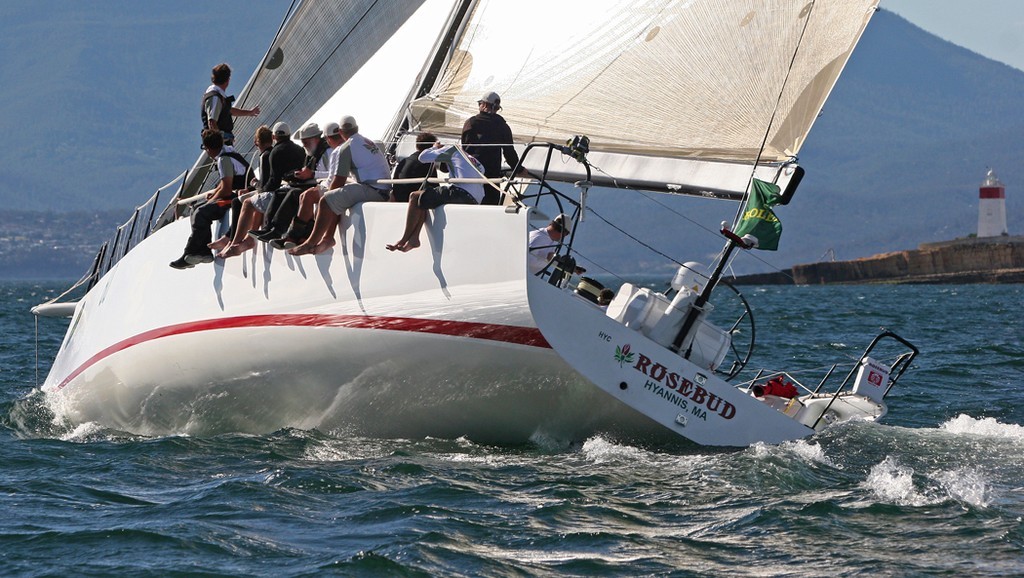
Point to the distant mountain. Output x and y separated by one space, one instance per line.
101 115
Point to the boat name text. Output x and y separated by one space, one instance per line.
660 375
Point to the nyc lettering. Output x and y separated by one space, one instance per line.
604 337
676 389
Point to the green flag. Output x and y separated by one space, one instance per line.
758 219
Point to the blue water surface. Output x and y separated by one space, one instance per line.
935 489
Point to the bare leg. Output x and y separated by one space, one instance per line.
414 218
248 218
307 203
323 231
220 243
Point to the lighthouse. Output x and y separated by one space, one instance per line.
991 207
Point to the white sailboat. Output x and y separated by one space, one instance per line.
457 338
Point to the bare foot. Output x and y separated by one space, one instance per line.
323 246
396 247
220 243
303 249
234 250
409 245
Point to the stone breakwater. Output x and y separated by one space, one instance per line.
988 260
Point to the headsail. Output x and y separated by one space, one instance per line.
671 79
321 46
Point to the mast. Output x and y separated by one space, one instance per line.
435 63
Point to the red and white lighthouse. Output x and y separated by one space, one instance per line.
991 207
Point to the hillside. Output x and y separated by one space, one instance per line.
894 160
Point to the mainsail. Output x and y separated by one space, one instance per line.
662 79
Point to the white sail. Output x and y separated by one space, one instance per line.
320 47
695 79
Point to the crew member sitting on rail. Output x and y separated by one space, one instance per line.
330 178
245 216
364 159
285 158
232 167
411 167
286 201
461 166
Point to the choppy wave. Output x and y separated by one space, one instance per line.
986 427
934 489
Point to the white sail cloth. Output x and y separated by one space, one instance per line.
696 79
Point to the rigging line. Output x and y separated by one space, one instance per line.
670 209
37 350
773 266
619 229
328 57
775 111
598 265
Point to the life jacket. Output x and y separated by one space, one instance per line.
225 123
238 182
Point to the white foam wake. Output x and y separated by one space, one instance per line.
894 483
988 427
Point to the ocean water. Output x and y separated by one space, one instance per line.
936 489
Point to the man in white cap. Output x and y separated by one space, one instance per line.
487 137
362 158
328 179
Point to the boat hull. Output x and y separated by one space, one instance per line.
439 341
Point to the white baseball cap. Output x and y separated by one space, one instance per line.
282 129
490 98
349 123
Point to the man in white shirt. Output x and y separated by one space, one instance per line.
461 166
328 179
362 158
543 244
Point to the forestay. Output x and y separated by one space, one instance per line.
668 79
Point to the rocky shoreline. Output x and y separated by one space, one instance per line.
986 260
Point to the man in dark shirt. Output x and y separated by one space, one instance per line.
487 137
412 168
286 158
286 199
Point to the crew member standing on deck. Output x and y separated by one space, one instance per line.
217 105
486 137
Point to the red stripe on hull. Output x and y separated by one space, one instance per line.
505 333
